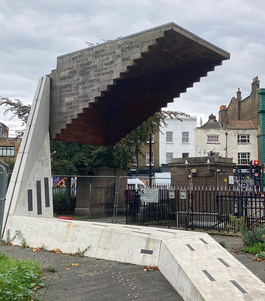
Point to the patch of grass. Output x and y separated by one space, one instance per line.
50 269
222 243
19 279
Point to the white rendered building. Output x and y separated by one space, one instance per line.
177 140
237 140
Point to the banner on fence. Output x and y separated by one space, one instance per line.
150 196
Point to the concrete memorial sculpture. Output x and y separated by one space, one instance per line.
100 94
97 96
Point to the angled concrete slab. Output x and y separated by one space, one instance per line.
194 263
29 191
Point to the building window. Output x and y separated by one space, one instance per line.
212 138
242 138
147 159
185 155
169 136
169 157
243 158
152 138
7 151
185 137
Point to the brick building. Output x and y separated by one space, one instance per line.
9 147
4 130
250 108
201 171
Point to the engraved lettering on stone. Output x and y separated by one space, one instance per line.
81 76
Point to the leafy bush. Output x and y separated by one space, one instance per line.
256 235
254 248
238 224
260 255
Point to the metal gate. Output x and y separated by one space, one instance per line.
3 188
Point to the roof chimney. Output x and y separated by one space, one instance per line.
212 118
255 79
238 94
255 85
223 107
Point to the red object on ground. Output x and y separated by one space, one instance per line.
65 217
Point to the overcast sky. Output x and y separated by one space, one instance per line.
33 33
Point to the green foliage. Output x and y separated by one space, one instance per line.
2 255
239 224
19 279
256 235
254 248
10 162
60 202
260 255
50 269
9 240
222 243
68 157
80 253
21 238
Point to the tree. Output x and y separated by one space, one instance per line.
67 158
17 109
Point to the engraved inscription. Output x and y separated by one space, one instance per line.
82 76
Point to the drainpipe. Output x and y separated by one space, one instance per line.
262 126
226 144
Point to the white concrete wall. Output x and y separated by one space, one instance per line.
177 147
33 165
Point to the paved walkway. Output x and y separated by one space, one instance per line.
84 278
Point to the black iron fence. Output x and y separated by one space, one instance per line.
204 208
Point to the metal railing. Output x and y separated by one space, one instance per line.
202 208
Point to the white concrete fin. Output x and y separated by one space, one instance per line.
30 189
